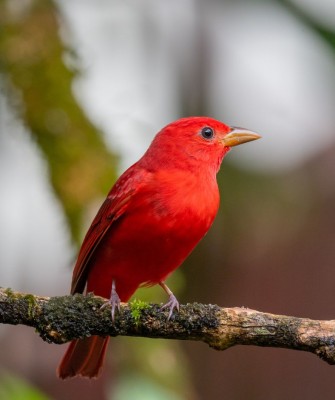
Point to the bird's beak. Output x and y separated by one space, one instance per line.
238 136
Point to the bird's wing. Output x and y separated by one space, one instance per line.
112 209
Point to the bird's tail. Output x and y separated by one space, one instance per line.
83 357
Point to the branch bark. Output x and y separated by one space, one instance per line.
61 319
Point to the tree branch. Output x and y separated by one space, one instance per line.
61 319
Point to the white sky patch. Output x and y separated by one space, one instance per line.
271 74
267 72
35 254
130 59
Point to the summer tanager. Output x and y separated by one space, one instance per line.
152 218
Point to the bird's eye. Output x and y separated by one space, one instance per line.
207 133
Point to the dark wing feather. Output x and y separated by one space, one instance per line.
112 209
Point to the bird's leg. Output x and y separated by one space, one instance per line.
114 301
172 303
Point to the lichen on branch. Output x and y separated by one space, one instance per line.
64 318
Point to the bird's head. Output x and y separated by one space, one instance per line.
196 141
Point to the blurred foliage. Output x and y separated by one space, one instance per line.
157 366
139 388
32 63
312 23
13 388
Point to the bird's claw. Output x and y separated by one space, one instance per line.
114 302
172 304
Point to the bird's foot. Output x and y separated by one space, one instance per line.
114 302
173 303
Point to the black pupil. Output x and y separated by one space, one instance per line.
207 133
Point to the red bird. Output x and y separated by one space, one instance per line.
151 220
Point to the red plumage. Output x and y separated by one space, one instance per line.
152 218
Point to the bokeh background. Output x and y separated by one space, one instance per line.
84 86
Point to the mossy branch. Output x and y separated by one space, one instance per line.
61 319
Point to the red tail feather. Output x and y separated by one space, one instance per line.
83 357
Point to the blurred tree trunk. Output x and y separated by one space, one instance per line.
39 84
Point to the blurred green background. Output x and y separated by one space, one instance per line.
84 86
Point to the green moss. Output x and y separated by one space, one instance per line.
9 292
30 299
136 308
262 331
